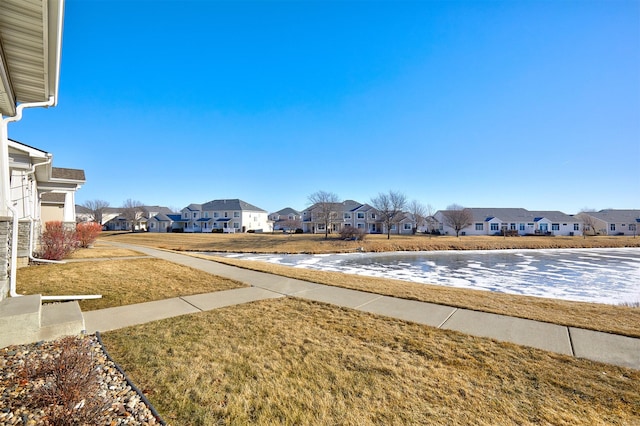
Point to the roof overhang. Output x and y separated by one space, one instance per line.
30 52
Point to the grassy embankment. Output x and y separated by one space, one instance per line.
310 243
290 361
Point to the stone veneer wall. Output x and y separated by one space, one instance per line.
5 255
23 243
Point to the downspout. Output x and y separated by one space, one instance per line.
14 237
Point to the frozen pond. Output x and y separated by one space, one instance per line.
588 275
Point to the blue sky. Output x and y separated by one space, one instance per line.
482 103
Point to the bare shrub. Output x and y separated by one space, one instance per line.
58 241
87 233
70 392
353 233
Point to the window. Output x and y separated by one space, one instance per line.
195 215
407 226
347 215
360 225
185 215
612 227
373 216
215 214
360 215
494 226
226 214
236 225
632 227
576 226
522 226
206 214
479 226
321 227
236 214
555 226
512 226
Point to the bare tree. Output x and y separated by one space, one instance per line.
389 206
96 209
419 213
325 209
431 221
291 224
457 217
132 211
589 223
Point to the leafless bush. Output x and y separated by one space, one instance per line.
70 392
353 233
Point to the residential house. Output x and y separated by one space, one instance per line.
352 213
40 193
162 222
611 222
227 215
285 219
314 221
518 221
114 219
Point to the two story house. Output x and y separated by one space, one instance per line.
227 215
286 219
352 213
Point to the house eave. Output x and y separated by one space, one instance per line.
30 52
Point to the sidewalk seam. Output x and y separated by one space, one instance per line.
366 303
190 304
448 317
573 352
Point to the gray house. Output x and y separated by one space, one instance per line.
285 219
518 221
611 222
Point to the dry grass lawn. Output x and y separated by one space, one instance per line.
121 282
310 243
101 250
289 361
595 316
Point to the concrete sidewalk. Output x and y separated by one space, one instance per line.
597 346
